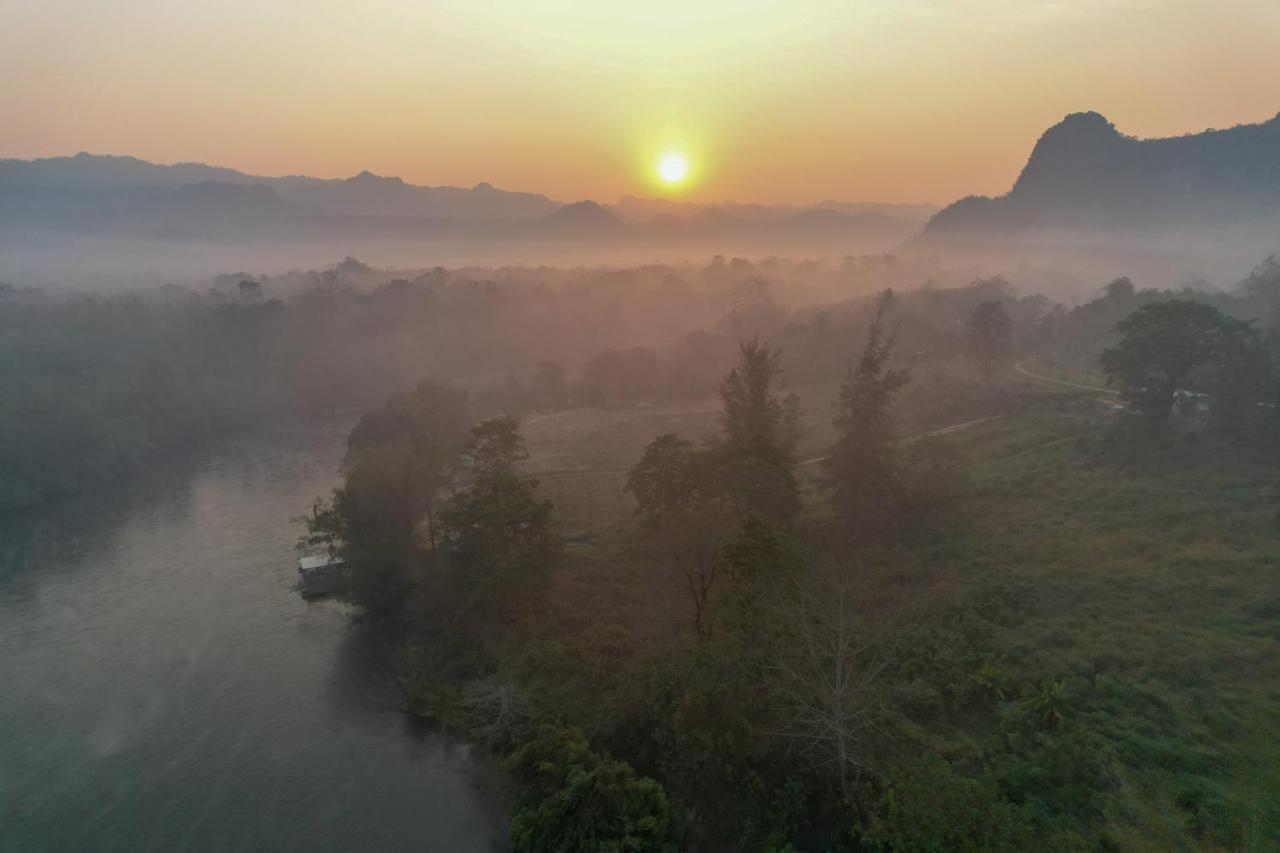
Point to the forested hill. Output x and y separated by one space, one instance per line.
1084 174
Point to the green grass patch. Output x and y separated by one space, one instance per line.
1153 595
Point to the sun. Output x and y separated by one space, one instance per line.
673 168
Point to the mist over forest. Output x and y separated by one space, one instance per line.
360 514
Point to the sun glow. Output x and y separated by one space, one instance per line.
673 168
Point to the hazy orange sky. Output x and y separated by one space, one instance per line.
896 100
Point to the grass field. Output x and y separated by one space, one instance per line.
1153 595
1079 369
581 456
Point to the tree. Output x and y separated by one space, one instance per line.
432 413
755 564
1244 388
824 681
690 539
398 464
249 290
760 551
760 430
495 447
670 475
754 311
1120 291
755 420
500 545
431 422
759 486
1263 286
862 466
989 338
1162 346
685 498
371 520
1253 387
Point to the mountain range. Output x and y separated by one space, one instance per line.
1203 203
124 196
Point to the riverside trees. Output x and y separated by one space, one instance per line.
435 514
499 545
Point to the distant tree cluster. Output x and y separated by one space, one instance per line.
989 338
1182 351
92 389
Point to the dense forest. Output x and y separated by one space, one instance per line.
93 387
902 586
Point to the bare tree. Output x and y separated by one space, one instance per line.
825 680
690 540
495 711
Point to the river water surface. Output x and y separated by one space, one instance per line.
162 688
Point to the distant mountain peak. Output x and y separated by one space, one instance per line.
367 177
1084 125
586 207
583 214
1084 174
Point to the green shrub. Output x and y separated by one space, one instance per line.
926 806
583 800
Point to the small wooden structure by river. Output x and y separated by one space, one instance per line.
318 574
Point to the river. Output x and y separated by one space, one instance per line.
162 688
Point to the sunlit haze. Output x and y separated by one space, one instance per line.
771 100
685 425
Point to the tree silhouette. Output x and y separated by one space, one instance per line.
1162 345
862 466
989 338
760 432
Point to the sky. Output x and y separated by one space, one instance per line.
767 100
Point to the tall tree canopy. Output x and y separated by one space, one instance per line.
756 420
760 431
500 542
862 466
1162 347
